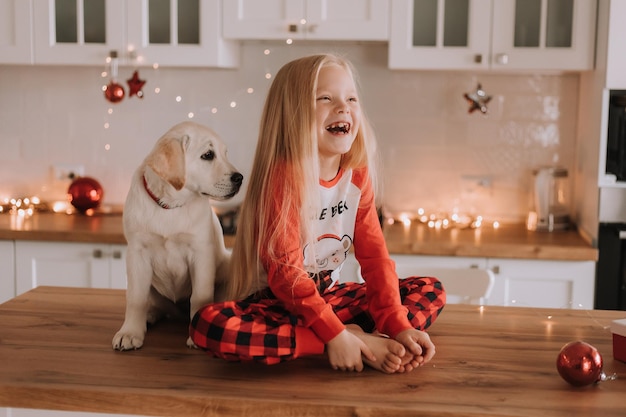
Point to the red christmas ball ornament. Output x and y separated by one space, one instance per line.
580 364
114 92
85 193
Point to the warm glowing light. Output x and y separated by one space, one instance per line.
214 110
303 21
289 41
157 90
420 211
155 65
190 115
496 224
106 125
233 104
104 74
179 99
250 90
107 147
268 75
267 52
60 206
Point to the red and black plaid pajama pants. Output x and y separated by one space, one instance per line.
261 329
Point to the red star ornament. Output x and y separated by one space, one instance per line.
477 100
135 85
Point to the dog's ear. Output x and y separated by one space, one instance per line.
167 159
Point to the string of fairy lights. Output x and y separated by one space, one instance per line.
109 74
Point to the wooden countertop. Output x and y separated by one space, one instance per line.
55 353
509 241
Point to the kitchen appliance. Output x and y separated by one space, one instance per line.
610 292
549 208
616 136
611 266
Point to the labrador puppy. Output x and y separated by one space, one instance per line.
176 252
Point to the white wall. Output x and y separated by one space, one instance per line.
435 153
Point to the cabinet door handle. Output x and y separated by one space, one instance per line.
478 58
495 269
502 59
97 253
293 28
474 266
117 254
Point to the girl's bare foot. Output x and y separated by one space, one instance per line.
390 355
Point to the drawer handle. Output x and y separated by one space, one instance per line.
97 253
502 59
496 269
117 254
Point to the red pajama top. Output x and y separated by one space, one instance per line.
347 219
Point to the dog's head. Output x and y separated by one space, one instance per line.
192 156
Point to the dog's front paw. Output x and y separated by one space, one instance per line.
191 344
127 341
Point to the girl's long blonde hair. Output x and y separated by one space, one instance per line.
287 140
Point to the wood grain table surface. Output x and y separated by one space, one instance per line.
55 353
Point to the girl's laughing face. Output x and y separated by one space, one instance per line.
337 110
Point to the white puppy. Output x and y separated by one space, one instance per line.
176 251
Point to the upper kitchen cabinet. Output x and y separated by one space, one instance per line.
353 20
492 34
178 33
615 46
15 32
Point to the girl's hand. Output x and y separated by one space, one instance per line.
345 350
419 344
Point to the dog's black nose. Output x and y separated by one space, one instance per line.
236 178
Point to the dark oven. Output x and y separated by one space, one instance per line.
611 267
616 136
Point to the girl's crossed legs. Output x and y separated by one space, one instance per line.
260 329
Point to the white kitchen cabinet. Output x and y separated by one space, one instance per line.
616 48
69 264
492 34
7 271
518 282
165 32
362 20
543 283
16 31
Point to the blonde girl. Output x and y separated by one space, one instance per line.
309 202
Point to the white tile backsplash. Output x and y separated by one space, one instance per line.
435 154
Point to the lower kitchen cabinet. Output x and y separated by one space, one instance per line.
543 283
69 264
518 282
7 271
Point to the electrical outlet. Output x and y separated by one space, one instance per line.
62 172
